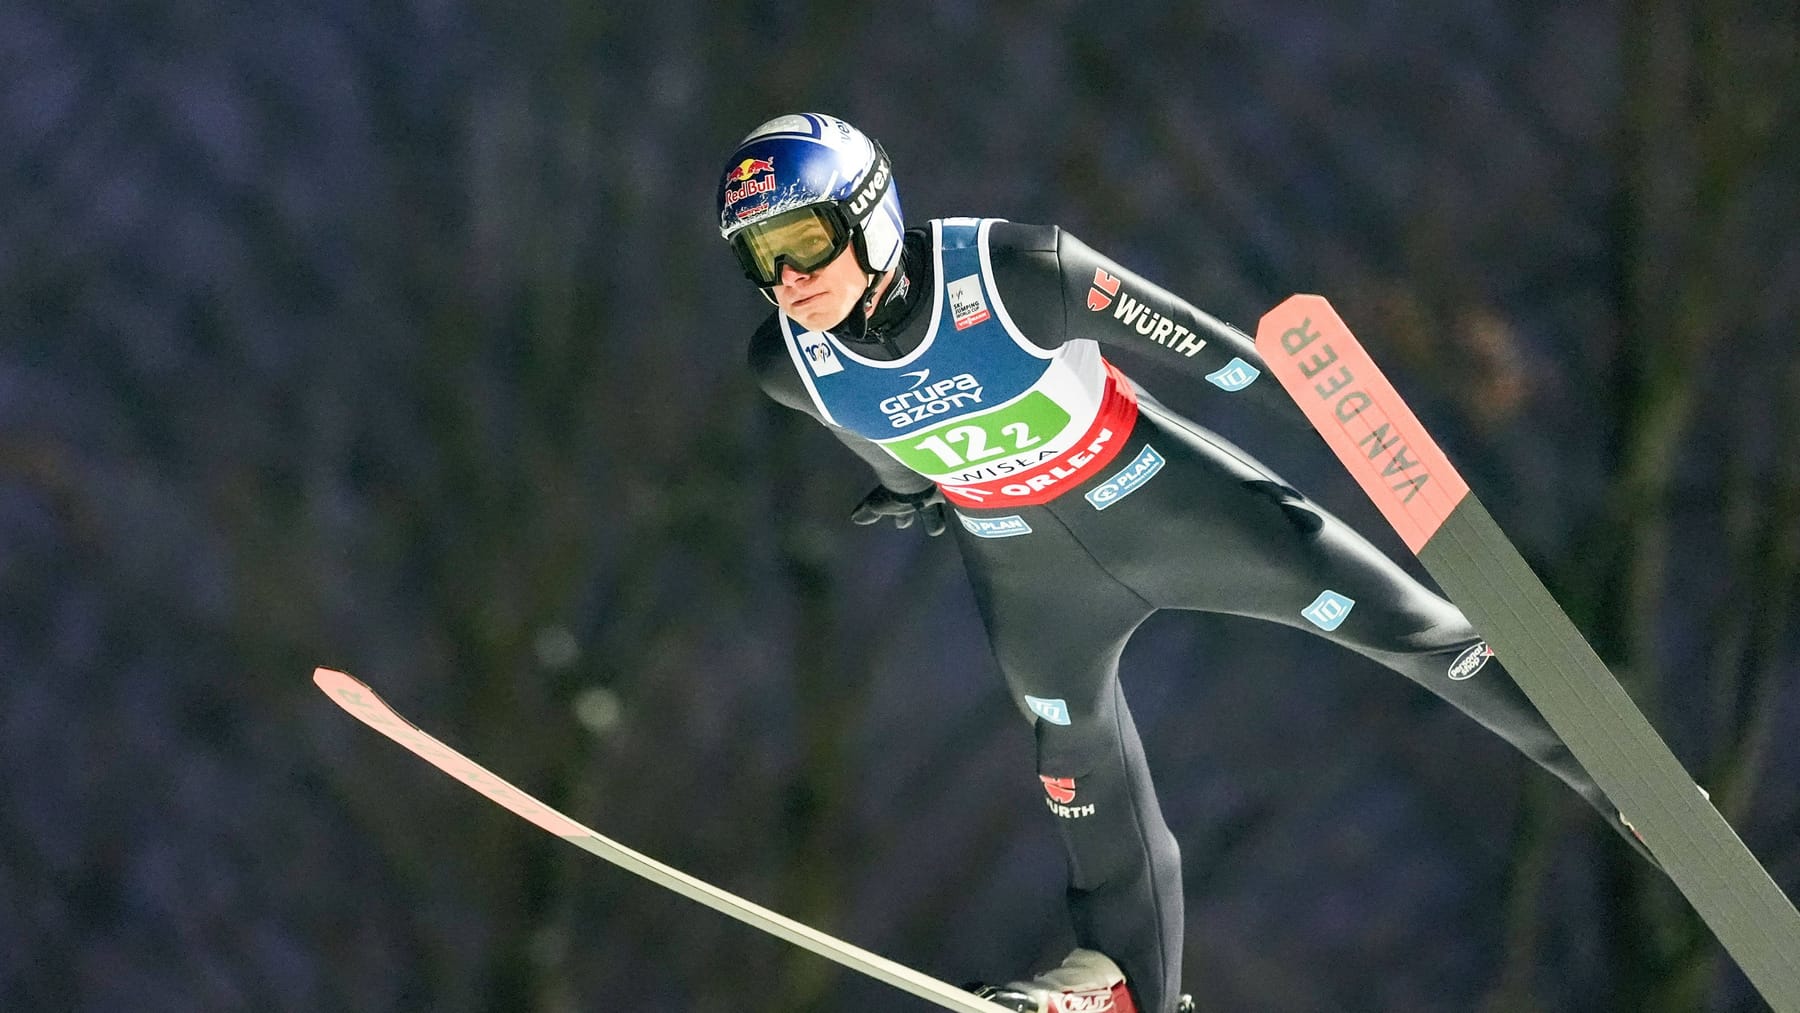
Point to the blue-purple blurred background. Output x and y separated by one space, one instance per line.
397 337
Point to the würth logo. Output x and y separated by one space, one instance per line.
1105 287
1062 792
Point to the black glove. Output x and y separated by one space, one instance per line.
927 504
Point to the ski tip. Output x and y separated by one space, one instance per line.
1288 313
334 682
323 676
1352 405
1298 300
1301 299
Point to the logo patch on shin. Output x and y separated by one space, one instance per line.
1470 661
1234 375
995 527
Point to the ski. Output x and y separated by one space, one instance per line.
362 702
1401 468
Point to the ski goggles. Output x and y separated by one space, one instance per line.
805 239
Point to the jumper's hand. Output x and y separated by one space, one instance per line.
926 504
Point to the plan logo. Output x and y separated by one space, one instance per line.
1470 661
997 527
1127 481
1054 711
1234 375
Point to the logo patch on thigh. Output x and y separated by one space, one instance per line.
1126 481
1054 711
1234 375
1329 610
995 527
1470 661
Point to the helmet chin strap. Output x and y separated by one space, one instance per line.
855 327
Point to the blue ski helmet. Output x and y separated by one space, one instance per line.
802 187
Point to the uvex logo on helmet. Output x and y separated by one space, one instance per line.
872 190
745 173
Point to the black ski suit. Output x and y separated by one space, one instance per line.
1179 519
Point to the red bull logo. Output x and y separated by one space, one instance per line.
745 174
748 168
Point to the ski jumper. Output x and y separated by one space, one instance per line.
1082 506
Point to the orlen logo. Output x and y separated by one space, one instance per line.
927 399
1470 661
745 173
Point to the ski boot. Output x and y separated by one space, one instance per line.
1087 982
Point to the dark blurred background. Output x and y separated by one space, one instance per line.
398 337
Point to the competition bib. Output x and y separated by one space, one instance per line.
994 420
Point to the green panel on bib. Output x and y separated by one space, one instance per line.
1031 421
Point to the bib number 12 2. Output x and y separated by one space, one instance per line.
975 443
